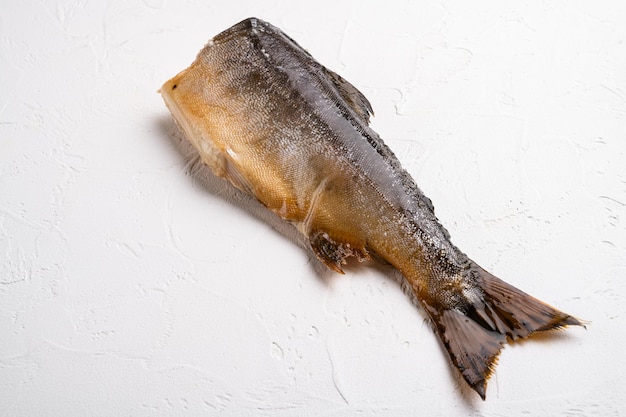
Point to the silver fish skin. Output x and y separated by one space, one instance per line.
265 115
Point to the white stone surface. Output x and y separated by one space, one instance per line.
130 286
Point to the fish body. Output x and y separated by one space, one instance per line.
265 115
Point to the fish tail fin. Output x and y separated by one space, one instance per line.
474 334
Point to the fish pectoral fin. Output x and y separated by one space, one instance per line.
233 173
333 253
359 103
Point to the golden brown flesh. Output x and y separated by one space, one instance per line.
265 115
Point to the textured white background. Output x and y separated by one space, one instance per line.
133 285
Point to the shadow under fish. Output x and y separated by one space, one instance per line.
265 115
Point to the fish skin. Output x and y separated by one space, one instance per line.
265 115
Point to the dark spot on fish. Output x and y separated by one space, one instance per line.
255 78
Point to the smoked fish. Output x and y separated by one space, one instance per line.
265 115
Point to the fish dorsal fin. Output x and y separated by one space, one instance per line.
353 97
357 101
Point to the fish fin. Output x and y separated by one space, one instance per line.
513 312
357 101
232 172
474 332
332 253
473 349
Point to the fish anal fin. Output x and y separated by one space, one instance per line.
472 348
333 253
357 101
